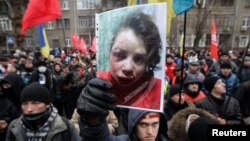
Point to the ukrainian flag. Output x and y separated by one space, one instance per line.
134 2
175 7
43 42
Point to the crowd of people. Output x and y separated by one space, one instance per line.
61 97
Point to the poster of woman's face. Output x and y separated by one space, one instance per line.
131 45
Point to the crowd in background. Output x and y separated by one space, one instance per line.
66 72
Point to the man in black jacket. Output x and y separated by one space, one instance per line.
225 108
243 96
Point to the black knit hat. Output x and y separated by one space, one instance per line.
174 90
209 82
226 65
35 92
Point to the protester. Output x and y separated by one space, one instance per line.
175 101
243 96
179 125
225 108
228 78
193 89
40 120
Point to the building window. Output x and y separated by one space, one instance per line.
55 43
65 24
247 3
189 40
202 41
50 25
244 39
246 21
65 5
5 24
28 42
227 3
85 4
68 42
3 7
86 21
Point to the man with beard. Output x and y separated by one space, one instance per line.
192 89
40 120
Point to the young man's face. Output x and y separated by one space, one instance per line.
226 71
219 87
175 98
147 128
127 58
33 107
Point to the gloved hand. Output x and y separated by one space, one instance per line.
95 99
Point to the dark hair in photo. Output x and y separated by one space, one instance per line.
145 28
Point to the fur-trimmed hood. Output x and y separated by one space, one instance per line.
177 125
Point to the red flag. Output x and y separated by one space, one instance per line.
40 11
82 46
214 43
93 45
75 39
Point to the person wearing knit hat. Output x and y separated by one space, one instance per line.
35 92
225 108
173 104
40 119
230 79
209 83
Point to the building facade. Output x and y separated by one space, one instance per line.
232 18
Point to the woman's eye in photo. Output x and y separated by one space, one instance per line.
139 59
119 54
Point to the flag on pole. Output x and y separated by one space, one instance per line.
43 41
82 46
175 7
214 43
40 11
93 45
181 38
134 2
75 39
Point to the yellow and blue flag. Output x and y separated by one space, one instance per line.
134 2
43 42
175 7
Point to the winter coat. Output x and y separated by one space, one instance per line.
17 86
229 110
243 96
16 131
177 125
232 82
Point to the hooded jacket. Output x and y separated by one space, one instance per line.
177 124
101 133
17 86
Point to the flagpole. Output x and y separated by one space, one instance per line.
182 57
63 27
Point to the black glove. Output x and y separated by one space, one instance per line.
95 99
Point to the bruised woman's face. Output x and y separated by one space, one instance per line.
127 58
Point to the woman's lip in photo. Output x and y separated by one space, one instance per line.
125 81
